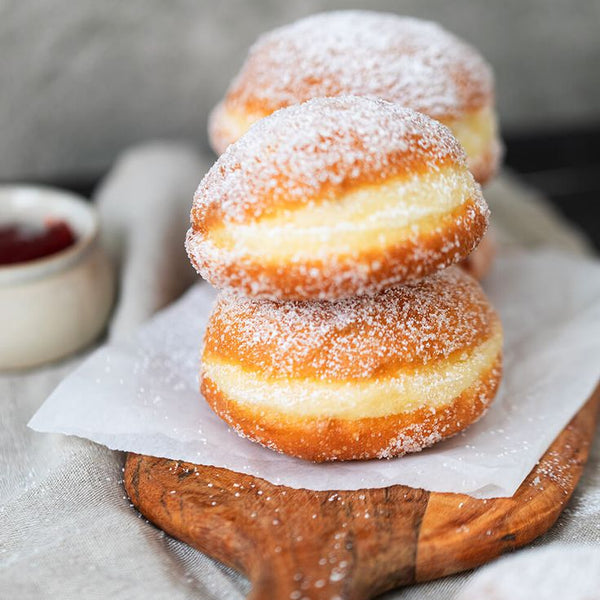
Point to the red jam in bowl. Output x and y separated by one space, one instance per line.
21 243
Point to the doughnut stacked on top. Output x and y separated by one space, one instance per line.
340 334
333 198
411 62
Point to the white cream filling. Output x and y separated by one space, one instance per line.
369 218
477 132
407 390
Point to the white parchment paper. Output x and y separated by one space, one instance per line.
142 395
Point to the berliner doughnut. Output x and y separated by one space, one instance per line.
332 198
359 378
414 63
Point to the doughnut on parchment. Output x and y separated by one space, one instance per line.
360 378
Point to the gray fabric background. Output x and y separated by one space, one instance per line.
66 528
83 80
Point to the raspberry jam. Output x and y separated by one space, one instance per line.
22 243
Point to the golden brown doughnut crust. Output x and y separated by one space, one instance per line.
412 62
356 338
313 154
340 439
405 262
428 325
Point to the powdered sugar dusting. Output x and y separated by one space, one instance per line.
324 435
358 337
331 276
301 153
412 62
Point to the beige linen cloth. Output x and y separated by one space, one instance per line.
67 530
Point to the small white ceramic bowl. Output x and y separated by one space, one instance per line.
55 305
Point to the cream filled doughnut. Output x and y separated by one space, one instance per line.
335 197
359 378
414 63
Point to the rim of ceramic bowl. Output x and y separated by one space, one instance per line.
24 202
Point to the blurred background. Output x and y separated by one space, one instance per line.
83 80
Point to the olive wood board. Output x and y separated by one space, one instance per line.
352 545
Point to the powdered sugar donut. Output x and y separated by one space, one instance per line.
414 63
332 198
364 377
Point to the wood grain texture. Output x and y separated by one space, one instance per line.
352 545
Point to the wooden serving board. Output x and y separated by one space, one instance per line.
352 545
